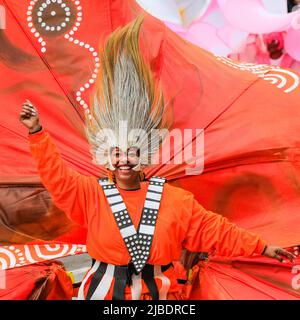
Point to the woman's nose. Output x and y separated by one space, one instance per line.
123 158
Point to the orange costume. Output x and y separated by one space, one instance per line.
181 223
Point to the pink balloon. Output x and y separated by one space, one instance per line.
252 16
292 43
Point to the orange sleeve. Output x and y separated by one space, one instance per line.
211 232
70 191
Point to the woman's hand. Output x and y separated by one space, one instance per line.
278 253
29 117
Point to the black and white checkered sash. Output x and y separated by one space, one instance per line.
138 242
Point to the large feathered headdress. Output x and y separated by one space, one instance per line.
127 106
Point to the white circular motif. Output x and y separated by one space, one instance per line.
283 79
7 258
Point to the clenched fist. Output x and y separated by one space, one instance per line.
29 117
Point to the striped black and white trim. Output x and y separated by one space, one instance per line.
139 242
148 220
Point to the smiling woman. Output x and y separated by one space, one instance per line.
136 228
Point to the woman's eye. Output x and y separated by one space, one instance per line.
132 154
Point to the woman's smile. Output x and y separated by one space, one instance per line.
124 169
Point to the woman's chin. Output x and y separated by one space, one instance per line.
126 174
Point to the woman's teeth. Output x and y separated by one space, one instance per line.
125 168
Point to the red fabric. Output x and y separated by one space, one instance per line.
18 283
44 281
59 285
257 278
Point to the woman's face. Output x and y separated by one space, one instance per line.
124 162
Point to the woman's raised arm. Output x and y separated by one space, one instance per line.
70 191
